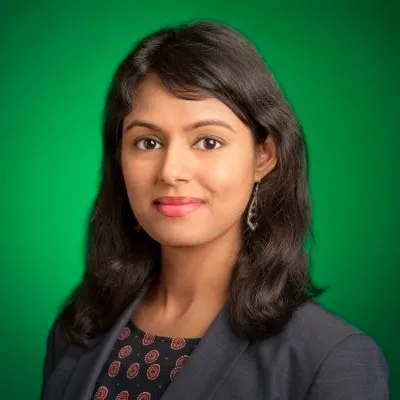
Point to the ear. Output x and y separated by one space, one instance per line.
266 158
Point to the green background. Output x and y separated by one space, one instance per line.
338 63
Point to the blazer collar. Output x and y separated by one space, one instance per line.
211 361
217 352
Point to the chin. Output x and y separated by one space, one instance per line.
179 237
180 241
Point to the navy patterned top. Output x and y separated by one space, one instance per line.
141 366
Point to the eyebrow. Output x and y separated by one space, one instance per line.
186 128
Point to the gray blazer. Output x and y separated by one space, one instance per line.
316 356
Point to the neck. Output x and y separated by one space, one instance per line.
198 277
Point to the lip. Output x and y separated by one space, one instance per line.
176 200
177 207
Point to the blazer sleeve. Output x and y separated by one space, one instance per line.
355 369
56 345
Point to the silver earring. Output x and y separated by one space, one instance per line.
252 212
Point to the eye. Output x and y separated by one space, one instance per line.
208 143
147 144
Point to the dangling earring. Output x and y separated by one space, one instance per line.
252 212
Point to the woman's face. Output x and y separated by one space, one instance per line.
189 166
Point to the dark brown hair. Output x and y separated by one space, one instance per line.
271 276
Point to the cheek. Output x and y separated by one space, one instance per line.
136 183
231 173
236 166
231 181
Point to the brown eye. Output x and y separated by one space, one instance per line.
208 143
148 144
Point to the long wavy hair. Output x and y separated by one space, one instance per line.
271 275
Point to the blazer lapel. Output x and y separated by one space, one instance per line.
88 367
211 361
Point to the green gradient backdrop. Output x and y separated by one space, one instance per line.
337 62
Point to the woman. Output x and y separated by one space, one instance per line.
197 283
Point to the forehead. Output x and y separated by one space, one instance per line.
153 101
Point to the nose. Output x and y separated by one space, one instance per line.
176 164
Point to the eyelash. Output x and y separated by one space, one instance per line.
219 141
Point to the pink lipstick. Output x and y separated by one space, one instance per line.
175 207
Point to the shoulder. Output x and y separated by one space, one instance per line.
56 345
58 336
331 357
312 325
326 335
312 332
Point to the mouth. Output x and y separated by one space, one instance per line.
177 207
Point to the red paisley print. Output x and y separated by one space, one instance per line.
178 343
101 393
174 372
133 371
180 362
151 356
113 369
124 334
124 395
148 339
153 372
144 396
125 352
